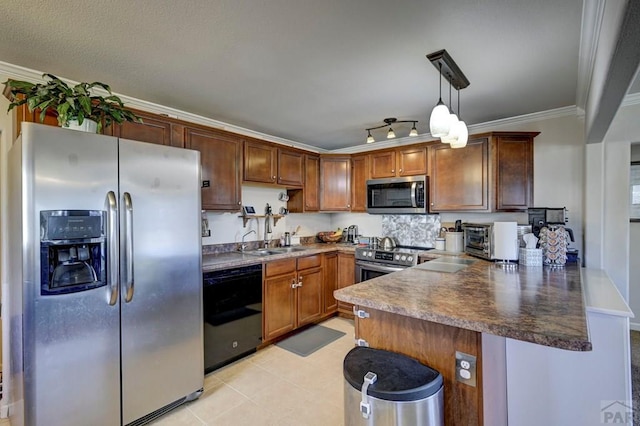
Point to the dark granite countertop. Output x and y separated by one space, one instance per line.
226 260
534 304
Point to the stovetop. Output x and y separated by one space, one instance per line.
401 256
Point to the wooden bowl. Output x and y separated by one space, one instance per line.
329 237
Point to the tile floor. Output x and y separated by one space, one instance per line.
273 387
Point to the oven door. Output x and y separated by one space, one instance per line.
368 270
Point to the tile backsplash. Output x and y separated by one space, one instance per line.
412 229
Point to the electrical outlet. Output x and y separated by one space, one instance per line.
466 368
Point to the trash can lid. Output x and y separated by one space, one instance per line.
400 378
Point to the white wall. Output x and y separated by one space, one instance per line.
634 253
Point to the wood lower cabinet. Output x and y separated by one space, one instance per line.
335 183
292 290
359 176
221 159
330 267
434 345
459 178
346 277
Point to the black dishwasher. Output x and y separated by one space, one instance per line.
232 314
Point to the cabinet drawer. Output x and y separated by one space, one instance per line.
279 267
309 261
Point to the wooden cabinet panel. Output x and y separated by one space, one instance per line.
309 295
153 129
330 284
259 162
383 164
346 277
290 168
335 183
307 262
279 267
434 345
512 156
311 183
221 159
359 176
459 177
412 161
279 304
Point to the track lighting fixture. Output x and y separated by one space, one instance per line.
391 134
443 122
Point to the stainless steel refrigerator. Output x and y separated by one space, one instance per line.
105 290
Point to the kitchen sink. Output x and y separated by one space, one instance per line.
272 251
288 249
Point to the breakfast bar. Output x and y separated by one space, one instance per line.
451 309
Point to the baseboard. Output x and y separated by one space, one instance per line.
634 326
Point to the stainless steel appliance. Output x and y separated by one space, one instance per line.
105 290
232 314
372 263
398 195
479 239
352 234
541 216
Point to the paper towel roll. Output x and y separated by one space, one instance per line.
505 240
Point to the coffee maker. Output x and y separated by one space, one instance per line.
551 217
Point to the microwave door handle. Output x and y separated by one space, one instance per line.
413 194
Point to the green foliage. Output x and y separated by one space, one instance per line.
70 103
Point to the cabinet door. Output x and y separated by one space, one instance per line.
153 129
383 164
290 168
278 305
360 174
335 183
513 168
221 159
311 183
330 283
412 161
309 295
459 177
259 162
346 277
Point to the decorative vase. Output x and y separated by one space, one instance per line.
87 125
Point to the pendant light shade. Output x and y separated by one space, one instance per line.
461 134
391 134
439 120
370 138
414 131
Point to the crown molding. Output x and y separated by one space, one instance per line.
27 74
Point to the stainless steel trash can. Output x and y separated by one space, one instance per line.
384 388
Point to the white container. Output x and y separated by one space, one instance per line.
530 257
454 241
440 244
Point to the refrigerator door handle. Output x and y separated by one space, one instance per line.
112 242
128 247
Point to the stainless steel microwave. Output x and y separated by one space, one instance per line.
398 195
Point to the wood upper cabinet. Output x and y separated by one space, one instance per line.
494 172
260 161
290 168
335 183
359 176
346 277
292 291
459 177
512 159
330 267
221 160
408 161
311 183
153 129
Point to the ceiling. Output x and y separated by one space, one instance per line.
310 71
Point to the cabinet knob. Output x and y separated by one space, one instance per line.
431 203
239 203
293 283
273 177
393 171
400 170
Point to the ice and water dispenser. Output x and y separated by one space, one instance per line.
72 251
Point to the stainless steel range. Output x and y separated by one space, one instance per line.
372 263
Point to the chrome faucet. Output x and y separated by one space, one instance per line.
243 245
267 225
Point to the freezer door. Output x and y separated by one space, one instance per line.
71 341
161 278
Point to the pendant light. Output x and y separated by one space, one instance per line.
460 131
439 120
450 137
370 138
391 134
414 131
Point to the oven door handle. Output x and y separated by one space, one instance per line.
379 268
